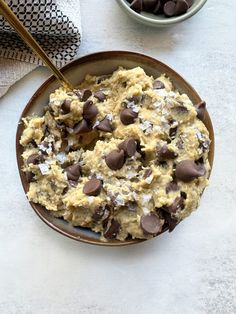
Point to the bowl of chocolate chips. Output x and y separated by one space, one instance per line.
161 13
120 159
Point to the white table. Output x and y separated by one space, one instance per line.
192 270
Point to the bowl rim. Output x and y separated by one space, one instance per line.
77 62
162 22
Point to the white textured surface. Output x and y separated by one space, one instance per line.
192 270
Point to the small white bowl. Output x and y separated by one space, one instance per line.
160 20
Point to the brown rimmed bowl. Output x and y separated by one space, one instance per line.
97 64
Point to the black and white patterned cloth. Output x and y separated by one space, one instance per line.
50 25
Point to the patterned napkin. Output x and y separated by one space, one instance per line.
55 24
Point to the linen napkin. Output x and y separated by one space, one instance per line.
55 24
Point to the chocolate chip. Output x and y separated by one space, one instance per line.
70 93
157 8
32 142
100 96
73 172
86 93
129 146
73 183
183 194
136 99
188 170
164 1
180 144
137 5
103 78
70 130
181 7
66 106
176 205
169 8
29 176
65 190
46 147
140 150
131 206
180 110
171 222
89 110
127 116
77 93
172 132
189 2
201 109
158 85
61 126
162 164
92 187
98 213
172 187
112 230
101 213
115 159
34 159
147 173
149 5
165 153
43 146
105 126
204 145
81 127
150 224
200 161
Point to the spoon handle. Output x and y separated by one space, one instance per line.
31 42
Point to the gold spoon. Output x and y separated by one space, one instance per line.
32 43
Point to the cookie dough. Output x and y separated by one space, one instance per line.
124 154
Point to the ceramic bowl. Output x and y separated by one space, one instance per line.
97 64
160 20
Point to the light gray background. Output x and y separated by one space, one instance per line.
192 270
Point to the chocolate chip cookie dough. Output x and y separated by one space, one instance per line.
125 155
